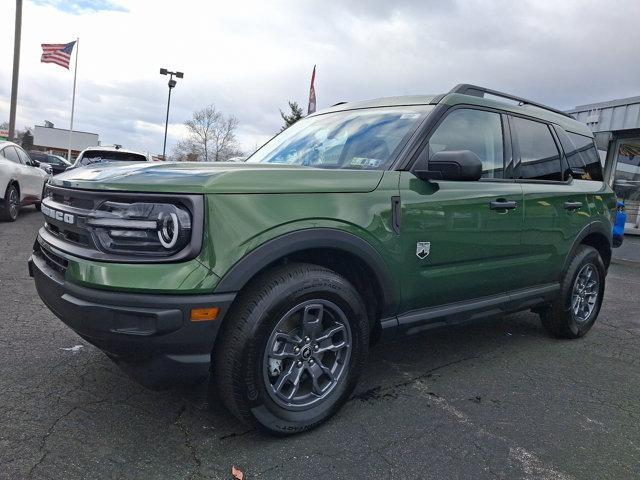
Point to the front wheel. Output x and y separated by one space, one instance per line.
293 349
582 289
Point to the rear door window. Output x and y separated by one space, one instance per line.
476 130
581 154
539 155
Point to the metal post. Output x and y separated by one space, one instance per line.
73 98
16 69
166 123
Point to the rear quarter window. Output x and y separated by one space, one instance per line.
582 156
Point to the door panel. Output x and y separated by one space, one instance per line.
473 250
556 208
32 177
550 229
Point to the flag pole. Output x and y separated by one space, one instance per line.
73 98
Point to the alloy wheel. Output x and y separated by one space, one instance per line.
307 354
14 203
586 289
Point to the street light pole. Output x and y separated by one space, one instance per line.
16 68
172 83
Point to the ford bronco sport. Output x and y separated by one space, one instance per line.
364 221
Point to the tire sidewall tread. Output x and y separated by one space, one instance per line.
558 318
247 328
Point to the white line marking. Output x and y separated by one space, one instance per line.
532 466
74 349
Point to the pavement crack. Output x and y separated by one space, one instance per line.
189 444
379 392
236 434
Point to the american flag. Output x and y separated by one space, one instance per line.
59 53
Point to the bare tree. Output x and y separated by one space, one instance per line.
211 136
185 151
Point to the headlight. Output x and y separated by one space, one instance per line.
141 228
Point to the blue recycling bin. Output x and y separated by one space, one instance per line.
618 227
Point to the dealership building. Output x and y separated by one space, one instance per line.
56 140
616 125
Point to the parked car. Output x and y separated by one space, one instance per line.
21 180
57 163
361 222
104 154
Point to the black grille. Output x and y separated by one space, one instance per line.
70 225
56 262
70 200
68 235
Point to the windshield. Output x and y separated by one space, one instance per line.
60 159
97 156
354 139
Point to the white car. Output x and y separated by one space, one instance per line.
21 180
93 155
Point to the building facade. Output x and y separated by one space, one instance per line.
56 140
616 125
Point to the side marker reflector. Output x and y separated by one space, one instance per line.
204 314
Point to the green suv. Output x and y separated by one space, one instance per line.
362 222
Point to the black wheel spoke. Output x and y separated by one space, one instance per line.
312 320
286 337
292 376
331 347
316 372
330 332
286 351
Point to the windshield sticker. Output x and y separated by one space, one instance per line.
363 162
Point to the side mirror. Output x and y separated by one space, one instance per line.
47 168
461 165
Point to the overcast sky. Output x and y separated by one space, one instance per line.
249 58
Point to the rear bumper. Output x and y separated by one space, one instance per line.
150 335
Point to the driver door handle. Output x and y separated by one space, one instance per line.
502 204
572 205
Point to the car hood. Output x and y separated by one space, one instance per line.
219 177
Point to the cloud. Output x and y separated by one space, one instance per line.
248 58
77 7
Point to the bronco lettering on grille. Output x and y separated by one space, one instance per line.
57 215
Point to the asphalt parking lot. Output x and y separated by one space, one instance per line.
498 399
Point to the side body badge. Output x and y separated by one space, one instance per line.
423 249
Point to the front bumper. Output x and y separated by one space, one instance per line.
149 335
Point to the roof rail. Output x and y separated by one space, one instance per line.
476 91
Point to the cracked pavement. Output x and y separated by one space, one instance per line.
496 399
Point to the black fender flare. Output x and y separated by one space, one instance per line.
272 250
593 227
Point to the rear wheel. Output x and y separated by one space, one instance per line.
293 349
11 204
582 289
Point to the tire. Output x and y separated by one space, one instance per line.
575 311
255 361
11 204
